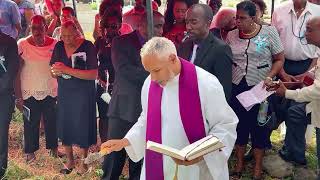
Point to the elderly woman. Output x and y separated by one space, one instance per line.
223 22
257 56
37 88
175 26
74 64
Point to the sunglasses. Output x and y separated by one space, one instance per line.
111 26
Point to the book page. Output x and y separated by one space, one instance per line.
194 145
166 150
255 95
204 151
26 112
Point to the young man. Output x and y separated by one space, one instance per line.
177 101
9 65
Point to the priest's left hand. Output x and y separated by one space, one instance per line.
188 163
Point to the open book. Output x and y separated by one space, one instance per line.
197 149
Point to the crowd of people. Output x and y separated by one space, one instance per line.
175 88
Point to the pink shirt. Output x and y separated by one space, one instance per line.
36 79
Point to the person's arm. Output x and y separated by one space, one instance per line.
306 94
223 69
28 13
122 63
278 60
96 31
135 140
222 123
52 24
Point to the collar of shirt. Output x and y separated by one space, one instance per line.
306 9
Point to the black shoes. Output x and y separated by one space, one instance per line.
66 171
286 156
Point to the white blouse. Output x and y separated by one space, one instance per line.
36 79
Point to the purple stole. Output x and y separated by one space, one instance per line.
190 112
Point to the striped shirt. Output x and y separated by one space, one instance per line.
252 58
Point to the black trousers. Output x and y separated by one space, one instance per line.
114 162
103 118
6 109
46 108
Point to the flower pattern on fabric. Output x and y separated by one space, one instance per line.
261 42
2 59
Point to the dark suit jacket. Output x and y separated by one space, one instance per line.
129 77
105 63
10 60
214 56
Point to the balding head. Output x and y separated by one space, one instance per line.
204 9
313 31
159 58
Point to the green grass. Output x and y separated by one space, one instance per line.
16 170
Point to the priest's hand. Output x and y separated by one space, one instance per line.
186 162
114 145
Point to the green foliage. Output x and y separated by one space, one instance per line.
94 6
99 172
14 172
17 116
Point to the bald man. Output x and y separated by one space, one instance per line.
309 109
177 102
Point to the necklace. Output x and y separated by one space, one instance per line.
249 34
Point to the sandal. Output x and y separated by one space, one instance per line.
66 170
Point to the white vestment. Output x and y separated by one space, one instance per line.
220 120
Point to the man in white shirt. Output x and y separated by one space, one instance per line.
290 19
178 99
300 117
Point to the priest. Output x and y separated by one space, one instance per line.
181 103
